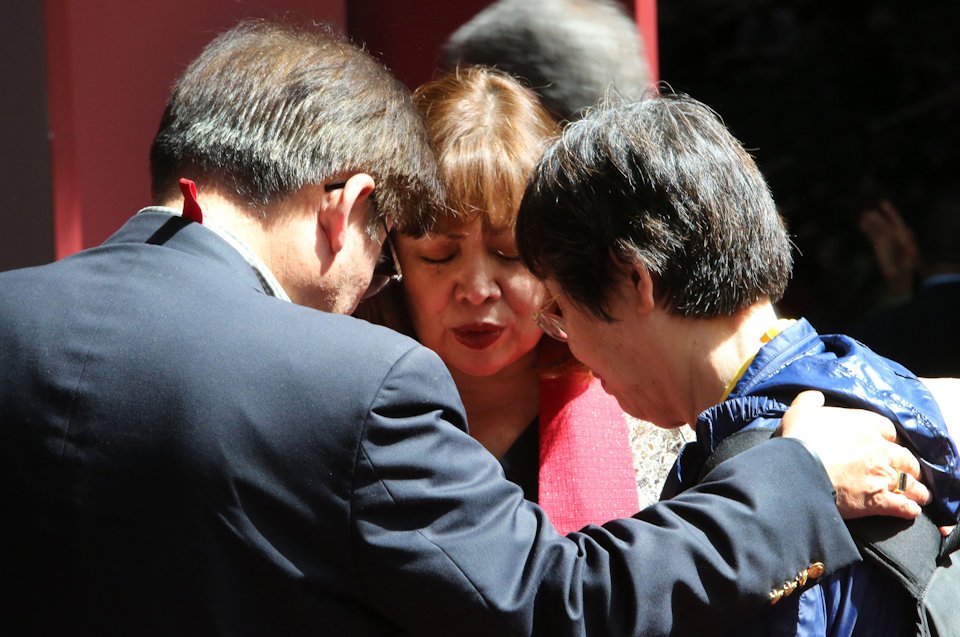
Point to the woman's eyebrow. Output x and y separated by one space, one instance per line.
500 232
453 235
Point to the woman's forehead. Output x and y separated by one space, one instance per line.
460 230
467 224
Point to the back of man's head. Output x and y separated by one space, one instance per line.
267 109
660 182
569 51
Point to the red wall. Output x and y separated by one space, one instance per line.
646 14
110 66
407 36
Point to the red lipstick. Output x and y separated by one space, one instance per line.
478 335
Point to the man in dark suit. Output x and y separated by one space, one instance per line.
183 451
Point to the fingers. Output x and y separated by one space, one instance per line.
913 490
893 505
885 220
807 416
901 459
867 419
808 399
858 449
872 224
802 412
901 229
904 495
894 245
905 464
886 489
872 493
865 468
888 431
947 530
890 215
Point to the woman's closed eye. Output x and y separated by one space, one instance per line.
507 255
438 258
503 246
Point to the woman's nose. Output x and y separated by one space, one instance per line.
478 285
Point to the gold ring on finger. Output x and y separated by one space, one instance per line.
901 485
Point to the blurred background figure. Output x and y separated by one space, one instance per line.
922 268
895 249
570 52
839 103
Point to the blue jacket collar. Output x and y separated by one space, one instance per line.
849 374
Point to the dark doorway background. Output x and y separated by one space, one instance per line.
841 103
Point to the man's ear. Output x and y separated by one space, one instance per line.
642 285
339 204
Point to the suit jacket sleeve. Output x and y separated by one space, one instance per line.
443 544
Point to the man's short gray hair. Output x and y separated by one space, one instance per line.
571 52
267 109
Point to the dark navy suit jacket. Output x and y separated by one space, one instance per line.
182 454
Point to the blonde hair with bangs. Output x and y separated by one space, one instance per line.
488 132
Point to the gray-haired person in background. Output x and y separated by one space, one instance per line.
570 52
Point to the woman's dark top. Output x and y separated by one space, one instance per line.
521 462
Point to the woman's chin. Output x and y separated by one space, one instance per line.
476 368
473 363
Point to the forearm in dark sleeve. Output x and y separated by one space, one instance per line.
444 545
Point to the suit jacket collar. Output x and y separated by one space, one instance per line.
163 227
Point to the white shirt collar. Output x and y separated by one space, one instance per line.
270 283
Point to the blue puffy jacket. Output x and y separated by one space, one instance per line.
859 599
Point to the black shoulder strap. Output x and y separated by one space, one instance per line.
926 564
940 612
733 445
910 551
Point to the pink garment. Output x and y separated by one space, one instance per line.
586 463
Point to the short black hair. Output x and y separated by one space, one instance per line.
268 108
660 182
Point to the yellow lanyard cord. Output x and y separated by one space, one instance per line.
768 336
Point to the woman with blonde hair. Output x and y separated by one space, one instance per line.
466 295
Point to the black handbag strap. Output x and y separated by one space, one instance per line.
909 550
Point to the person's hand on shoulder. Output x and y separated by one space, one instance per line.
871 473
